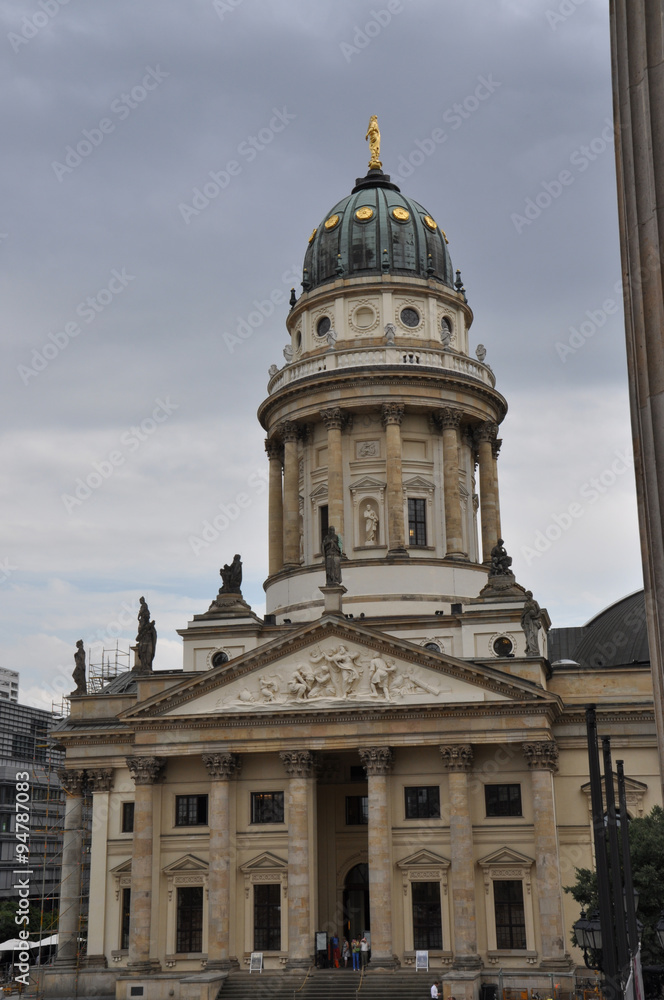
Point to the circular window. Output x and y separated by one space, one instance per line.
331 222
219 658
363 317
323 326
298 340
503 646
431 223
432 646
364 213
410 317
401 214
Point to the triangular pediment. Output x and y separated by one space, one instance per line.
506 856
187 864
424 859
334 665
265 862
418 483
367 483
320 491
123 869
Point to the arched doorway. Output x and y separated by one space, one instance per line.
356 902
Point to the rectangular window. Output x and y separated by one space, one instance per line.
357 810
124 919
510 915
190 919
417 523
267 807
5 823
127 817
503 800
191 810
324 522
267 917
427 922
423 802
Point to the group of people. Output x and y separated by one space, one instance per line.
357 949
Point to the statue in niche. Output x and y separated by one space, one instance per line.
381 671
332 553
231 577
500 561
79 669
370 525
146 639
531 623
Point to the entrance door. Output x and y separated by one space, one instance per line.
356 902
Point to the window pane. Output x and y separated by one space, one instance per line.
190 810
503 800
427 923
267 807
417 527
190 919
126 910
127 817
267 917
357 810
423 802
510 915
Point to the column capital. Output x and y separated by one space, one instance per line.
222 766
146 770
457 758
100 779
274 449
298 763
72 781
496 446
450 417
392 413
377 760
289 430
487 431
542 755
333 418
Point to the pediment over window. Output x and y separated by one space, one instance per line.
634 793
319 492
423 859
418 483
189 863
121 876
505 856
265 861
367 483
266 867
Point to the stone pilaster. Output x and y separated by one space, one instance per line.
99 782
495 451
450 419
485 435
378 763
73 782
542 759
145 771
275 453
392 414
458 761
333 419
221 768
291 503
300 768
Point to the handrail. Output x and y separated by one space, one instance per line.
357 991
304 982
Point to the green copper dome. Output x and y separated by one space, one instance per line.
376 230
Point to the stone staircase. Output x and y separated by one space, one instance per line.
328 984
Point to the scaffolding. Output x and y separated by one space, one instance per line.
113 663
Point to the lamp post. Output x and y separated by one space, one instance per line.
588 932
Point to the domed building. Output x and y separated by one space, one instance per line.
389 753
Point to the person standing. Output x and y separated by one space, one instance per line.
345 952
434 991
355 950
364 951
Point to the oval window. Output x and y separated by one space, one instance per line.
503 646
433 646
363 317
410 317
323 326
219 658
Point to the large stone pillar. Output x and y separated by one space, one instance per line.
378 764
392 417
485 435
542 758
145 771
221 768
275 453
457 761
291 508
495 451
100 782
450 421
300 768
72 860
637 52
334 419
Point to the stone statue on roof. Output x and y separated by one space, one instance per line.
79 669
146 640
232 577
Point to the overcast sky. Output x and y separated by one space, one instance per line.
122 290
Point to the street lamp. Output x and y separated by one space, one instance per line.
588 933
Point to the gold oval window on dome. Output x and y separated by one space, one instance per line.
402 214
431 223
364 213
331 222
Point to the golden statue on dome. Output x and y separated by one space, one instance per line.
373 135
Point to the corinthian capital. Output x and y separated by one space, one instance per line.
333 418
72 781
146 770
222 766
274 449
392 413
450 417
289 431
377 760
541 756
487 431
100 779
457 758
298 763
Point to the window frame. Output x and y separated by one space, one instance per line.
273 926
192 933
514 944
127 810
255 819
422 809
509 811
362 807
419 507
180 820
425 924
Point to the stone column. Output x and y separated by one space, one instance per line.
542 758
291 508
221 767
378 764
333 419
457 761
392 417
299 765
145 771
100 781
485 435
450 421
275 453
73 782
